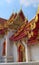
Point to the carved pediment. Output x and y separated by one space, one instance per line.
17 21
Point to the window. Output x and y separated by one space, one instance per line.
21 53
4 49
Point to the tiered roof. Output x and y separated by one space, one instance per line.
35 37
14 22
2 22
24 28
20 33
30 30
18 20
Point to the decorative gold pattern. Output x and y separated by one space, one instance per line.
38 10
21 28
36 19
21 52
30 34
33 25
25 32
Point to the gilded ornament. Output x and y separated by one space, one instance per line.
36 19
33 25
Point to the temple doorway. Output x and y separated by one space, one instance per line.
21 53
4 49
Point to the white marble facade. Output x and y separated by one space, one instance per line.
31 52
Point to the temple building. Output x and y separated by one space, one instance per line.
16 24
2 40
26 41
19 38
7 29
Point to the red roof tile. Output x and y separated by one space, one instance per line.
22 34
2 20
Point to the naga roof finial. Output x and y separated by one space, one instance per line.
38 10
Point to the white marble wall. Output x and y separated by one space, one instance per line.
34 50
2 58
1 45
15 52
11 47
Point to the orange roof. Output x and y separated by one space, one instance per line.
35 33
16 20
21 28
24 32
2 21
20 31
2 31
22 15
13 15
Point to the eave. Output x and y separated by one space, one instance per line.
17 36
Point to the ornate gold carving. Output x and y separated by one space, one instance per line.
30 34
38 10
22 52
36 19
20 43
25 32
33 25
1 27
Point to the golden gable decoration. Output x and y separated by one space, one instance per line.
18 21
38 10
33 25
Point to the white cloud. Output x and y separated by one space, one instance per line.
29 2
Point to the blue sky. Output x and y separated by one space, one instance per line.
29 7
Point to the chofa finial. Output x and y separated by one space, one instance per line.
38 9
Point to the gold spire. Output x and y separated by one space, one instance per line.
37 14
38 10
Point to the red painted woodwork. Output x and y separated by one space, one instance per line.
2 31
27 28
22 15
4 48
20 51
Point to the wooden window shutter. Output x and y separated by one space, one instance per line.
4 48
